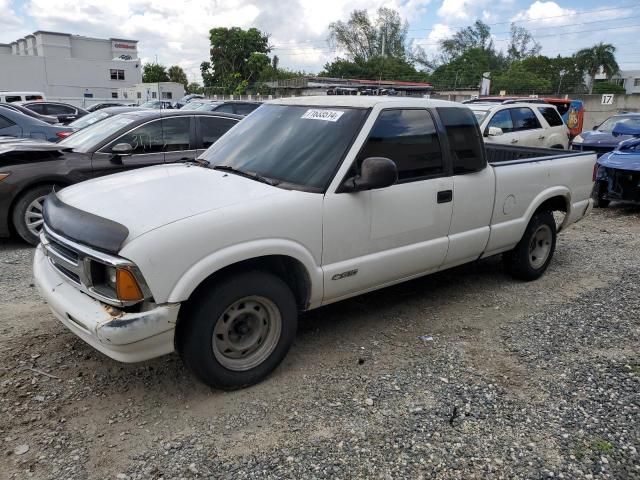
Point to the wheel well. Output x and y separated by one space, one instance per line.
290 270
558 146
553 204
26 189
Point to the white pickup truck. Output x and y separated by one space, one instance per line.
305 202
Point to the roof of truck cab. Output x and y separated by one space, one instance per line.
363 101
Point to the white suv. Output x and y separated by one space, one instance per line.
524 124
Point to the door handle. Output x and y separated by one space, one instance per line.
445 196
541 137
515 140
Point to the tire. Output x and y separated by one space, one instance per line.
599 191
533 253
27 213
224 340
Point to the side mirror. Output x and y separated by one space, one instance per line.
595 127
375 172
122 149
495 131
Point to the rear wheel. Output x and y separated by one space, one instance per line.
27 213
532 255
238 331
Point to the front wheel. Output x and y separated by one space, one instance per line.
532 255
238 331
599 195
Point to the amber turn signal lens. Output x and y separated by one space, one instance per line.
3 176
127 288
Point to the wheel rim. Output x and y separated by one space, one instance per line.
33 216
540 246
246 333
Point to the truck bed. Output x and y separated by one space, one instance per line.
497 153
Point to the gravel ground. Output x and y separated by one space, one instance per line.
463 374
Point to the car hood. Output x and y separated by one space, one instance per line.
602 139
148 198
621 160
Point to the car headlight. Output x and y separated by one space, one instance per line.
116 282
3 176
578 139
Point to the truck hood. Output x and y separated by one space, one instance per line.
621 160
148 198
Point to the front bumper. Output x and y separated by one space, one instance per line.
126 337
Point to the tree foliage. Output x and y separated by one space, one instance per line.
474 37
176 74
601 56
522 44
384 68
364 38
238 58
153 73
194 87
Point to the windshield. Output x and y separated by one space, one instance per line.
87 138
208 107
293 144
90 119
151 104
480 114
609 123
192 105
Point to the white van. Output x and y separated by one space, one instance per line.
20 96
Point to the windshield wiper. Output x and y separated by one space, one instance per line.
201 162
251 175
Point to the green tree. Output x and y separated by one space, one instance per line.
465 71
364 38
601 56
238 57
522 44
153 73
475 37
385 68
194 87
606 87
517 80
176 74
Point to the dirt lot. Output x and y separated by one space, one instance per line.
509 380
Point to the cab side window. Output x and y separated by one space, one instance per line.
409 138
176 133
551 115
524 119
212 128
465 141
5 122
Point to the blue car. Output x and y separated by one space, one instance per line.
617 173
18 125
601 139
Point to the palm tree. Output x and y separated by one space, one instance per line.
600 56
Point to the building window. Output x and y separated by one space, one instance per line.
154 95
114 94
139 94
636 82
116 74
167 95
88 95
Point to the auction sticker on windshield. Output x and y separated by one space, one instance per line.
326 115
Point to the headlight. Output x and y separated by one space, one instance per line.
3 176
578 139
115 282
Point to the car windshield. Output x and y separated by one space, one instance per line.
609 123
298 145
192 105
480 114
89 119
208 106
151 104
86 139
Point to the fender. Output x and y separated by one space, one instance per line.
225 257
505 235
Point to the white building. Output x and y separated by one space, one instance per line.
143 92
62 65
629 79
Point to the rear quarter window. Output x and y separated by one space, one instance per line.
551 115
13 98
465 140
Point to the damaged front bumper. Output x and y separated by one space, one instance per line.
123 336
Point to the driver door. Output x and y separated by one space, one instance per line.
502 120
379 237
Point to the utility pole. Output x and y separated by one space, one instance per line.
562 73
384 35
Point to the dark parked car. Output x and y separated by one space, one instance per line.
16 124
95 117
618 172
30 170
228 106
19 108
100 106
64 112
157 104
602 139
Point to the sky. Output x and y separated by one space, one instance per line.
177 31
